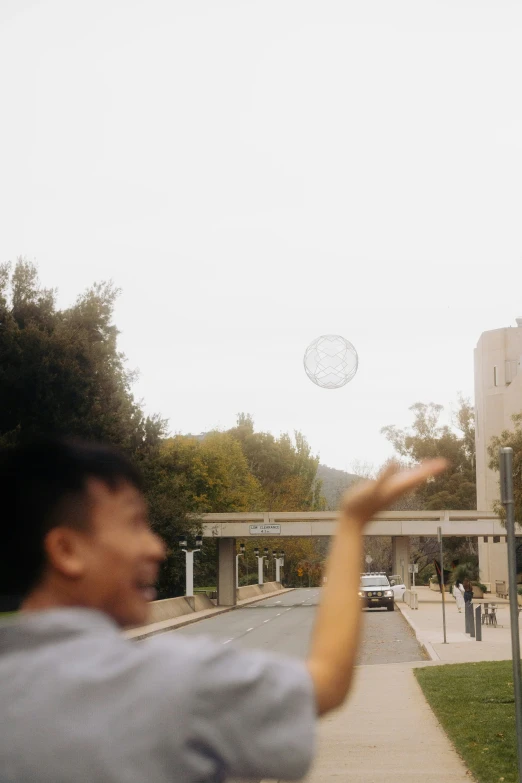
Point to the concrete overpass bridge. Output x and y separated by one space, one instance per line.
400 525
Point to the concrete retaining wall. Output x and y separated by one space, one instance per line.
253 591
170 608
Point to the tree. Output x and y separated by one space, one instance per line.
186 478
454 489
427 438
286 471
513 439
60 370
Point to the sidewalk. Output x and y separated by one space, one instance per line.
426 622
386 733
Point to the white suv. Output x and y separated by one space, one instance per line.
376 591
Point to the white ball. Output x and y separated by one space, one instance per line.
330 361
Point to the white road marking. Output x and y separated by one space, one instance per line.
249 629
278 614
266 621
228 640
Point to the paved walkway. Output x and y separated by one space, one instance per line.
460 647
386 733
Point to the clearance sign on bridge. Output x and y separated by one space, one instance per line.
265 530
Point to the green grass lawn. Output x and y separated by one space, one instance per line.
474 702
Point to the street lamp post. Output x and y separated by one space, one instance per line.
189 562
280 561
260 560
508 501
239 554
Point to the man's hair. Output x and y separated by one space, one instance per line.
44 485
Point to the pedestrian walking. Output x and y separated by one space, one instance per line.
458 594
468 591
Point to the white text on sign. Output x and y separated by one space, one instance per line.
265 530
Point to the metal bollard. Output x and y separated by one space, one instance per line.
466 616
471 621
478 624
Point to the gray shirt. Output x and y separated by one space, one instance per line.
78 702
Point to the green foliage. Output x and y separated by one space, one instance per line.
285 471
185 478
454 489
467 570
60 370
474 702
514 440
427 438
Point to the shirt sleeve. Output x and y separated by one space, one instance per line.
253 713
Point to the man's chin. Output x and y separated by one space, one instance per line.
133 616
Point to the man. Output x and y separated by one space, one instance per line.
80 703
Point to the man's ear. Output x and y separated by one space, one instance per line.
63 549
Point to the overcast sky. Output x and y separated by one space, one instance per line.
256 173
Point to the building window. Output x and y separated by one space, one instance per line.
495 380
496 539
485 539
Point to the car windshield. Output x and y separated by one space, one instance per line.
374 581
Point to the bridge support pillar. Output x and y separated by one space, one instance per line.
226 581
401 557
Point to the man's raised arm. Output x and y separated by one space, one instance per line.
336 634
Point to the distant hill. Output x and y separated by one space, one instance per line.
334 483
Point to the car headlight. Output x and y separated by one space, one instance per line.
361 594
388 592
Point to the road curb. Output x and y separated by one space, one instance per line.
190 619
426 646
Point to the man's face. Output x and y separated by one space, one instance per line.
119 555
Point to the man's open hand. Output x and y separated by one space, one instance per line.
366 499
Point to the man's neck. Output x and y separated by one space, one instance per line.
44 598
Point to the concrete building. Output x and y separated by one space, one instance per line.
498 395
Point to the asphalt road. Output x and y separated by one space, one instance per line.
284 623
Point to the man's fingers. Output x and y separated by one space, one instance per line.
399 483
389 470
